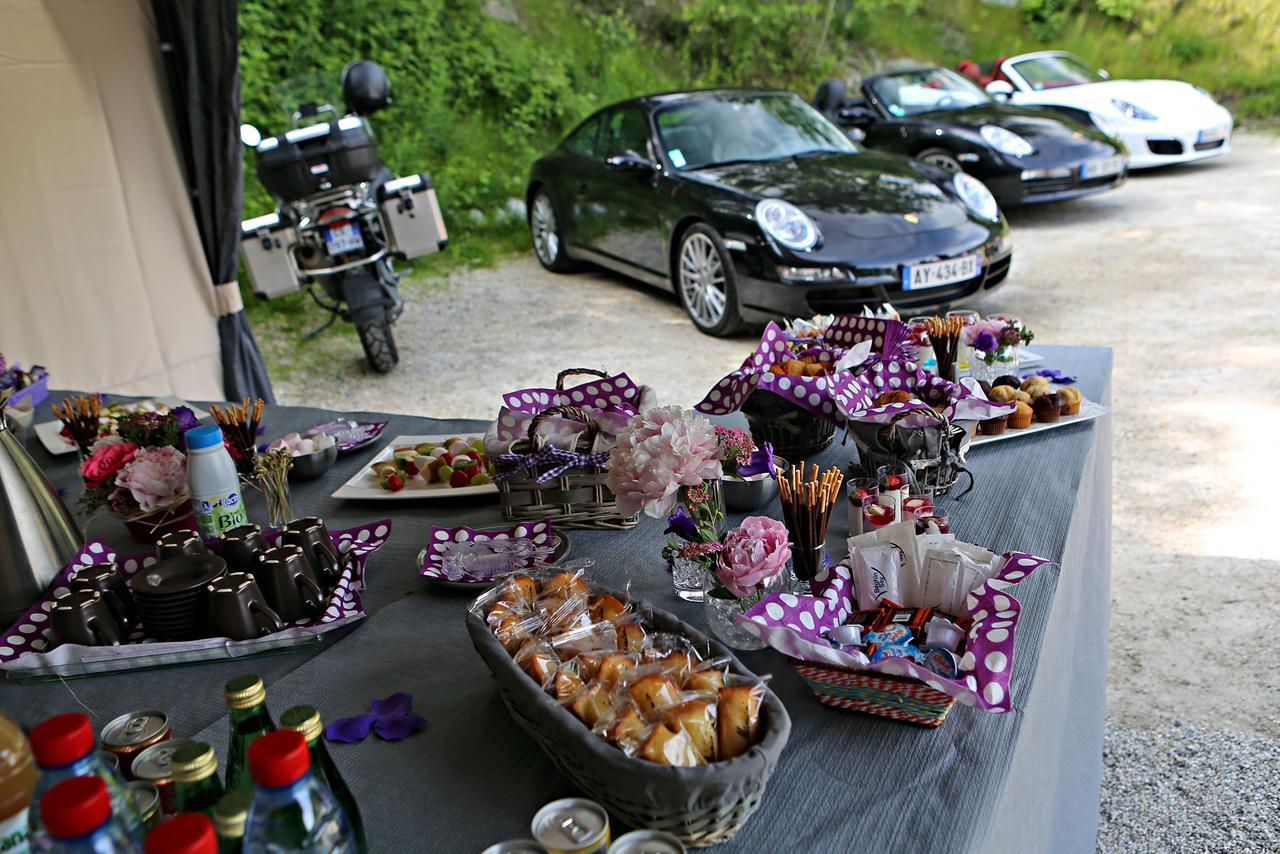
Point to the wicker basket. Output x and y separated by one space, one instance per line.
795 433
577 498
702 806
935 454
874 694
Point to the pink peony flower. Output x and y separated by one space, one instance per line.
156 478
106 460
753 553
993 327
660 451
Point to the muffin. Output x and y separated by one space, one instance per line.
1022 396
1033 381
896 395
1002 393
1020 417
1047 408
1070 400
1009 380
993 426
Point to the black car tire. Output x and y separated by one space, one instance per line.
942 159
703 266
379 345
544 231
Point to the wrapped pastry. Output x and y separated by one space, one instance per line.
538 659
707 680
698 720
592 704
626 729
564 584
665 747
738 719
605 607
616 668
594 638
652 693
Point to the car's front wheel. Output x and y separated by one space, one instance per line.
544 228
705 281
941 158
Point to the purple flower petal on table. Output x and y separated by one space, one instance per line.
399 728
348 730
394 706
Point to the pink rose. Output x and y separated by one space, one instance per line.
660 451
753 553
106 461
156 478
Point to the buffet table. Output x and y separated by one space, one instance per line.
1024 781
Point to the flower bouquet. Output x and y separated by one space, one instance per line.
138 473
750 472
996 344
750 563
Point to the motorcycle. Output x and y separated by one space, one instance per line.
341 217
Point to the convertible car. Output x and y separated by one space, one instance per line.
1160 121
1024 155
752 204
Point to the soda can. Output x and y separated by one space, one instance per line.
646 842
146 800
110 760
132 733
572 826
515 846
153 766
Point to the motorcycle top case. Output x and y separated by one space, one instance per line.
411 216
309 160
265 242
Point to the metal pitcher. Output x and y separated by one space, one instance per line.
38 535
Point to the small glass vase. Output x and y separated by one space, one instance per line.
708 515
1005 362
723 608
686 578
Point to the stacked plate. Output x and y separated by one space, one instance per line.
171 595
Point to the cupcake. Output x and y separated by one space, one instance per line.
1033 381
1001 393
993 426
1070 400
1009 380
1020 417
1021 395
1047 408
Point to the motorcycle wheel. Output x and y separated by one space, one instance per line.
379 345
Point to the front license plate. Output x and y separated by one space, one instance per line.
1101 168
934 275
1212 135
340 239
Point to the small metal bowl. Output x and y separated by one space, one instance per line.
742 496
313 465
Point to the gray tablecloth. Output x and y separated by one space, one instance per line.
1025 781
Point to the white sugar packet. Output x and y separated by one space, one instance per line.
876 574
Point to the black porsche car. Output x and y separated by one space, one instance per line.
1025 155
751 205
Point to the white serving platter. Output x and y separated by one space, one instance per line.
1088 411
50 432
364 484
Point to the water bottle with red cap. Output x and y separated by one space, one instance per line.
77 817
65 747
188 833
292 811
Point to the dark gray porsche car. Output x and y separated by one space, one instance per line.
752 205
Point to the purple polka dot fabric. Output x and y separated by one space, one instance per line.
890 338
539 533
613 401
965 400
794 625
30 635
813 394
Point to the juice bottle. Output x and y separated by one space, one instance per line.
17 781
247 707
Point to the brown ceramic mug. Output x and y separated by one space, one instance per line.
238 610
107 580
290 588
240 547
178 543
311 535
82 617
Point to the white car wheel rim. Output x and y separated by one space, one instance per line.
702 280
545 240
943 162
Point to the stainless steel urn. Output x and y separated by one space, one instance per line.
38 535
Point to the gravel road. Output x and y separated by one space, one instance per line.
1177 272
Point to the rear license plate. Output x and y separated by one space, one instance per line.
938 273
1212 135
1101 168
340 239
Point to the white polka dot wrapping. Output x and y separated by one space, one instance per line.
344 603
595 392
539 533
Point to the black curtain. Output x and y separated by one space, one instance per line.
200 43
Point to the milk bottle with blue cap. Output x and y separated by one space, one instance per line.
213 482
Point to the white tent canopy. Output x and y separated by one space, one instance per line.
102 275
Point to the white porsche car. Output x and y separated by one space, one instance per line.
1160 121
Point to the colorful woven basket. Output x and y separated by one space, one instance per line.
899 699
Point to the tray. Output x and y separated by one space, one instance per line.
22 655
1088 411
350 435
540 533
50 432
363 485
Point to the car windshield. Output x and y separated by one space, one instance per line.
910 92
1051 72
720 129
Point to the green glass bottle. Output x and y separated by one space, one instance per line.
247 707
306 720
229 817
195 778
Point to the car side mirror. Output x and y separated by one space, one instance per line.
628 161
859 116
250 135
1104 74
1001 89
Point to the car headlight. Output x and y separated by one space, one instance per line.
1132 111
976 196
787 224
1005 141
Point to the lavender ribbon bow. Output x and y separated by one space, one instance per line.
563 460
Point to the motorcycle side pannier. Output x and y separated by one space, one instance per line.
265 242
309 160
411 215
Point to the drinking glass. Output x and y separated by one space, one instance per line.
861 491
965 355
894 484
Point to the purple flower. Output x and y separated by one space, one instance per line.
398 728
761 461
985 342
682 525
348 730
395 706
391 719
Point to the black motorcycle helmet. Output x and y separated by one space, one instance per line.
365 88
